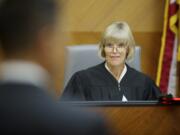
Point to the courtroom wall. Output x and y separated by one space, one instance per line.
85 20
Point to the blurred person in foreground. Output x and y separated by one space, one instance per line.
27 30
113 79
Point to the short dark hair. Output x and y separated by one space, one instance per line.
20 21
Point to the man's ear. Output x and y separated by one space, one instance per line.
43 46
44 37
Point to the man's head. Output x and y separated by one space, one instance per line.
26 27
21 20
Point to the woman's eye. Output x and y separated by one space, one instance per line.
120 45
109 45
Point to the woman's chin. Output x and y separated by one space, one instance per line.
116 63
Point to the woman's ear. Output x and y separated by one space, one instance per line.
127 52
103 52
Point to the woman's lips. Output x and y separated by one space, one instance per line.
114 56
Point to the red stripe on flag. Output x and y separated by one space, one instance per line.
168 52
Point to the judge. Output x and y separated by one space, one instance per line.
113 79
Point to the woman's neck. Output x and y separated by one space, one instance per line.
116 70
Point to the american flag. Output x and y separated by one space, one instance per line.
169 55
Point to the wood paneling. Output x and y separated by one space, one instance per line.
142 120
85 20
95 15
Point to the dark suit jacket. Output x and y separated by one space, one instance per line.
26 109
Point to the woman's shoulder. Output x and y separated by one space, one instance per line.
137 74
91 70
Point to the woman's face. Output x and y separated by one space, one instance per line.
115 54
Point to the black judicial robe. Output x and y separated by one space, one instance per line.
98 84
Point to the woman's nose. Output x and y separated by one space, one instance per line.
115 49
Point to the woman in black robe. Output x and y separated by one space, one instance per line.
112 79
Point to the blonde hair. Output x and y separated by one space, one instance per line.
115 33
